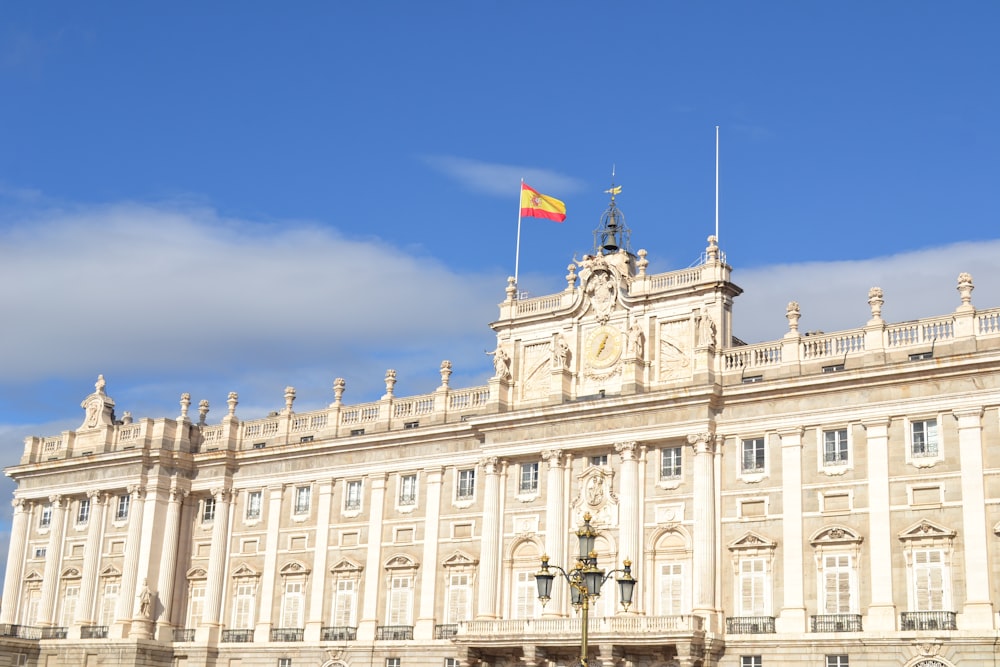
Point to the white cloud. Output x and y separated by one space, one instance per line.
502 179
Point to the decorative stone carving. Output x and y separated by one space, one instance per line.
202 411
570 277
603 292
501 363
712 251
636 347
233 400
445 372
793 313
338 390
552 457
185 405
627 450
490 464
99 407
703 443
511 288
642 262
145 597
390 383
875 302
965 288
706 330
560 353
674 355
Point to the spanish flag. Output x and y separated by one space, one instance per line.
536 205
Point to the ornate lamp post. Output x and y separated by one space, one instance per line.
585 581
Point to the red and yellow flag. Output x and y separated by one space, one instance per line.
536 205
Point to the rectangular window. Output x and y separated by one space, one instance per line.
244 602
253 505
352 499
751 661
45 518
671 589
196 605
451 662
929 580
924 437
392 662
284 662
459 598
601 460
292 604
753 587
344 604
408 490
303 497
466 484
208 510
837 584
525 594
123 504
83 512
109 601
837 661
40 552
529 478
753 455
68 604
835 447
670 462
400 601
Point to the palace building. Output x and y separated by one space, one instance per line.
822 500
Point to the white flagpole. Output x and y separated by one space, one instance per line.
517 251
716 184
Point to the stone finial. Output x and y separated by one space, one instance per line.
875 301
511 288
390 383
338 390
202 410
642 263
289 399
445 372
127 417
99 385
185 404
712 251
965 288
233 400
793 313
570 277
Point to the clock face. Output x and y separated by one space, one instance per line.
603 346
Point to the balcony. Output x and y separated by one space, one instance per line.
750 625
237 636
927 620
286 634
394 633
338 633
835 623
54 632
566 631
183 634
445 631
94 632
20 631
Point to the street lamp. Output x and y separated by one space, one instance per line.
585 580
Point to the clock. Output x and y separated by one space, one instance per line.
603 347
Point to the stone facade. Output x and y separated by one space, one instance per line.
823 499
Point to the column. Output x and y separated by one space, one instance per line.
126 593
373 562
704 445
792 617
262 631
53 559
314 621
217 561
15 561
91 557
555 525
168 566
489 556
429 568
628 521
881 611
977 614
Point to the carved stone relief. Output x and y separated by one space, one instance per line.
674 358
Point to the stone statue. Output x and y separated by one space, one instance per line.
560 353
145 601
636 340
501 363
706 330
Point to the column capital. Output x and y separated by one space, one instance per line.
969 417
20 505
56 500
704 443
178 495
627 450
490 464
876 423
553 457
136 490
221 494
97 496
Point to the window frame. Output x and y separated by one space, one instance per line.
208 507
465 485
758 453
352 505
83 512
124 507
671 463
407 496
302 500
254 505
838 660
45 516
936 441
528 479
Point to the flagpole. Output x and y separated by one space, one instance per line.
517 251
716 184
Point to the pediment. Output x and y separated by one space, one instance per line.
400 562
244 570
293 568
71 573
33 576
752 540
460 559
835 535
347 566
925 529
197 573
111 571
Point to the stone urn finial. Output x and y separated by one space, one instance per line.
712 251
390 383
202 410
793 313
289 399
338 390
965 288
642 263
511 288
570 277
445 372
875 301
185 404
233 400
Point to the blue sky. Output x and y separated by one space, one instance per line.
244 197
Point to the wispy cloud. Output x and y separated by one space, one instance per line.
501 179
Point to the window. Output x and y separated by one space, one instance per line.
529 478
45 518
284 662
244 602
924 437
109 601
303 496
753 587
345 604
466 484
68 603
451 662
670 462
751 661
835 447
671 589
408 490
753 455
208 510
292 604
123 503
459 598
253 505
352 499
40 552
837 584
83 512
196 604
601 460
400 600
525 594
837 661
929 580
392 662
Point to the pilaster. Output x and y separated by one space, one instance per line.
792 617
977 613
168 565
628 521
705 448
882 610
555 524
317 596
429 572
91 557
489 559
217 560
15 562
262 630
373 563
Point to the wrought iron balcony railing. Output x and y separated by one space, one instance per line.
835 623
394 632
54 632
20 631
94 632
286 634
445 631
183 634
750 625
927 620
338 633
237 636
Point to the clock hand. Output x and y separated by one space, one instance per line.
604 342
